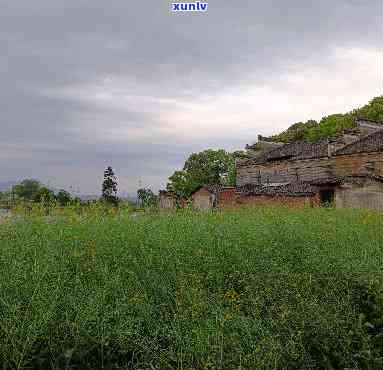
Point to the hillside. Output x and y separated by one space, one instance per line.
331 126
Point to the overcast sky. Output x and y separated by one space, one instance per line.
87 84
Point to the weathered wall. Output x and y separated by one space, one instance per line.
369 195
367 127
166 202
285 171
312 170
359 164
202 200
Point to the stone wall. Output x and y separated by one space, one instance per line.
309 170
359 164
312 170
367 126
368 195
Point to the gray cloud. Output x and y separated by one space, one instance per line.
86 84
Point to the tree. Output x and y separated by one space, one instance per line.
109 187
204 168
373 110
63 197
180 185
232 170
44 195
146 197
27 189
298 131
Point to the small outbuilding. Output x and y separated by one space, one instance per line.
204 198
167 200
213 196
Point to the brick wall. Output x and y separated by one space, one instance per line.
265 200
227 198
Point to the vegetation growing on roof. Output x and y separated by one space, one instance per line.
331 126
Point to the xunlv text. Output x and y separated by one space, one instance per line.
190 7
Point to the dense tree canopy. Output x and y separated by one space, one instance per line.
27 189
44 195
34 190
204 168
63 198
373 110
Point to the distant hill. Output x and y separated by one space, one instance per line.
330 126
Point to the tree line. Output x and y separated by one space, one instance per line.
34 191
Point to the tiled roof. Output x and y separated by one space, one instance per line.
329 180
289 189
214 188
369 143
295 150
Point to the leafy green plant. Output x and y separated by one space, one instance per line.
264 288
331 126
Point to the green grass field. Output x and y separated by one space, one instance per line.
247 289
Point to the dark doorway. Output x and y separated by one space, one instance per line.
327 197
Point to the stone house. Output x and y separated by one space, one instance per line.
347 171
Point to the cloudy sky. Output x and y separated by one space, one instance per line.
90 83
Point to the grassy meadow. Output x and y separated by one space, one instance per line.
268 288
